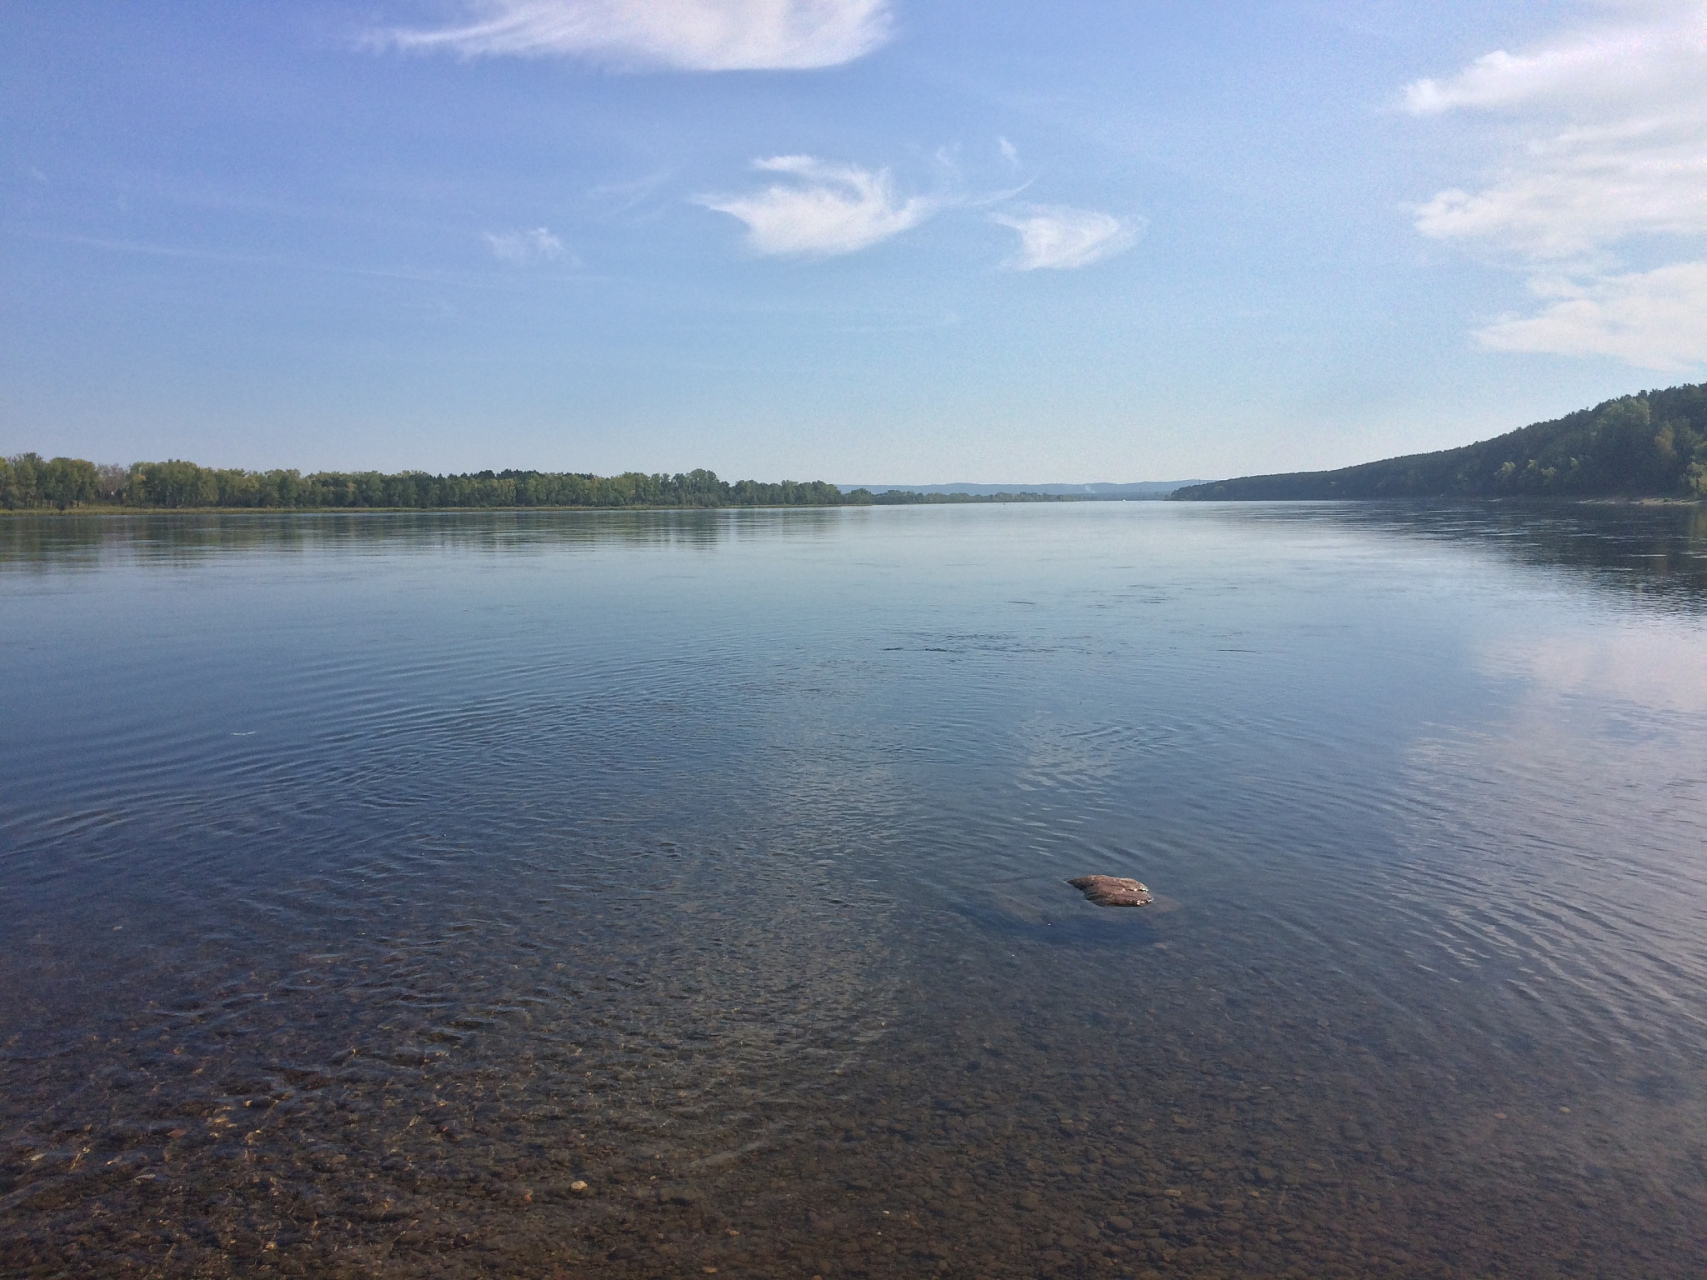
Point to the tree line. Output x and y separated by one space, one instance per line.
28 481
1653 444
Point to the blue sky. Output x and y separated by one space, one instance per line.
856 240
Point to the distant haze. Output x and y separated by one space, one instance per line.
1099 489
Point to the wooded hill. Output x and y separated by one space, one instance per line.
1653 444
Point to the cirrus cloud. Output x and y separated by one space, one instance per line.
522 247
830 209
1063 238
687 35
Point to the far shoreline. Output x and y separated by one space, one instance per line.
1002 500
1551 500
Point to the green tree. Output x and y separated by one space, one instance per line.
68 482
174 484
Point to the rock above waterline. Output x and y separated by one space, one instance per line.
1112 891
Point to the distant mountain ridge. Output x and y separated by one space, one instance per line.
1652 444
1138 490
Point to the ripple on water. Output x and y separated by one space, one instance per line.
633 896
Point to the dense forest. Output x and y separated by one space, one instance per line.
1649 445
30 482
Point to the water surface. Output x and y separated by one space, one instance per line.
632 894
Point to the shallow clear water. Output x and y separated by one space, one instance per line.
368 883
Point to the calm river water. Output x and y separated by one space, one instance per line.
636 894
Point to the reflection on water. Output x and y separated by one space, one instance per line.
1657 551
639 893
72 542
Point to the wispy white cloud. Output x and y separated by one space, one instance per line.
1010 153
1608 63
1606 146
613 199
1651 319
1644 50
1584 189
690 35
828 208
523 247
1063 238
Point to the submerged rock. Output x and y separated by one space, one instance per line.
1112 891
